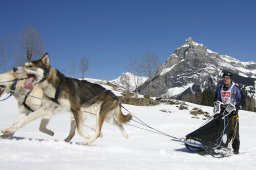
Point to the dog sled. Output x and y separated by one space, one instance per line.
215 136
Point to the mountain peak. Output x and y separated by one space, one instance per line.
191 42
127 74
194 68
129 81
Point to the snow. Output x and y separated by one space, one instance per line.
185 45
104 83
242 74
176 91
166 70
210 51
243 70
29 149
93 80
248 63
129 80
230 59
240 66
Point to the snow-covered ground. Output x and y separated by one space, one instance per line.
29 149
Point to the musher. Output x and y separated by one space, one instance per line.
229 93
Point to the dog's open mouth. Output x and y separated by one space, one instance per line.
2 88
29 84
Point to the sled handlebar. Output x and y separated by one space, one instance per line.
229 108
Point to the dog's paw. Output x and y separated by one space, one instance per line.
6 133
125 135
48 132
68 139
51 133
91 140
86 142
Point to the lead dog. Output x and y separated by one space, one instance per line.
32 104
74 95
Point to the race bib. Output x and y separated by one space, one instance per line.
226 97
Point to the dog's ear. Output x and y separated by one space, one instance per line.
45 59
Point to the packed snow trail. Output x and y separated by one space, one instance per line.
31 149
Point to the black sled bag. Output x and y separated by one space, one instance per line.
215 134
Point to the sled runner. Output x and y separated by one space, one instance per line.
214 137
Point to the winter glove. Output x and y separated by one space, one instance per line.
234 113
217 107
230 108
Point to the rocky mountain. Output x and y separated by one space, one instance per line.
192 73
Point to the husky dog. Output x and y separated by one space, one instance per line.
32 104
74 95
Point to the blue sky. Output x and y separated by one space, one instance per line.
112 32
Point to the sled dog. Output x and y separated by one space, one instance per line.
74 95
32 104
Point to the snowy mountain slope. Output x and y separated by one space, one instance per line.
129 81
30 149
106 84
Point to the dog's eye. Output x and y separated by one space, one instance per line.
28 64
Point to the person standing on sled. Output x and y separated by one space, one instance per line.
229 94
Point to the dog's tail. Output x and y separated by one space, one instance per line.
121 118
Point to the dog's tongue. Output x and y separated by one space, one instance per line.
29 83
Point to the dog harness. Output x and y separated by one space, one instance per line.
59 88
24 102
57 93
13 88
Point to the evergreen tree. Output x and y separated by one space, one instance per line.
208 97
